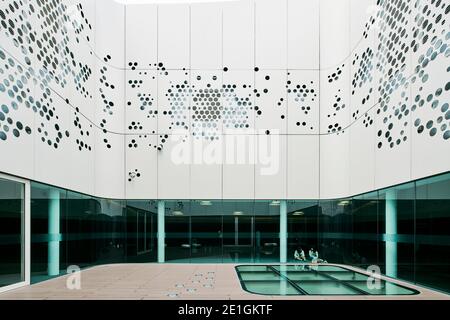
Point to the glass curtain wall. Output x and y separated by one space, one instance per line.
140 229
366 246
404 230
335 236
178 231
432 235
267 231
222 231
73 229
12 215
302 227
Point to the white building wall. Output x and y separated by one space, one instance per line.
353 109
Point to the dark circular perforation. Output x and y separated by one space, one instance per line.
336 74
133 175
46 33
304 95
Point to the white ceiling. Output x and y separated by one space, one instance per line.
169 1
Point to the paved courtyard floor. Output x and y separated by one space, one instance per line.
168 281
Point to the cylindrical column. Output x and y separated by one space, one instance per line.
161 231
283 231
391 232
283 283
54 217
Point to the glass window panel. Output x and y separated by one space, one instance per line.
266 276
206 239
302 227
238 231
310 276
347 275
297 267
432 232
326 288
271 287
335 232
178 229
267 231
11 232
140 235
107 225
328 268
386 288
252 268
365 230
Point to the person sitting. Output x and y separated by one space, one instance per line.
311 254
299 255
302 255
316 258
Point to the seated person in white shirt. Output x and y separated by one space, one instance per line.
299 255
316 258
311 254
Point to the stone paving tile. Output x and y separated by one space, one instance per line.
168 281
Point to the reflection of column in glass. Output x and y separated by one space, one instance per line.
161 231
283 231
258 245
391 232
54 216
283 282
236 231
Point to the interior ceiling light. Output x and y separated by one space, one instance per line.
205 203
238 213
177 213
275 203
343 203
298 213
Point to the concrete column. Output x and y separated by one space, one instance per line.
54 218
391 232
283 284
161 231
283 231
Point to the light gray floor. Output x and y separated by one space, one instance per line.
166 281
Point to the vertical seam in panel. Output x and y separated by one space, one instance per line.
157 101
410 72
35 137
97 133
189 102
221 47
124 180
255 133
374 144
415 232
222 103
287 34
287 103
320 108
350 51
349 96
